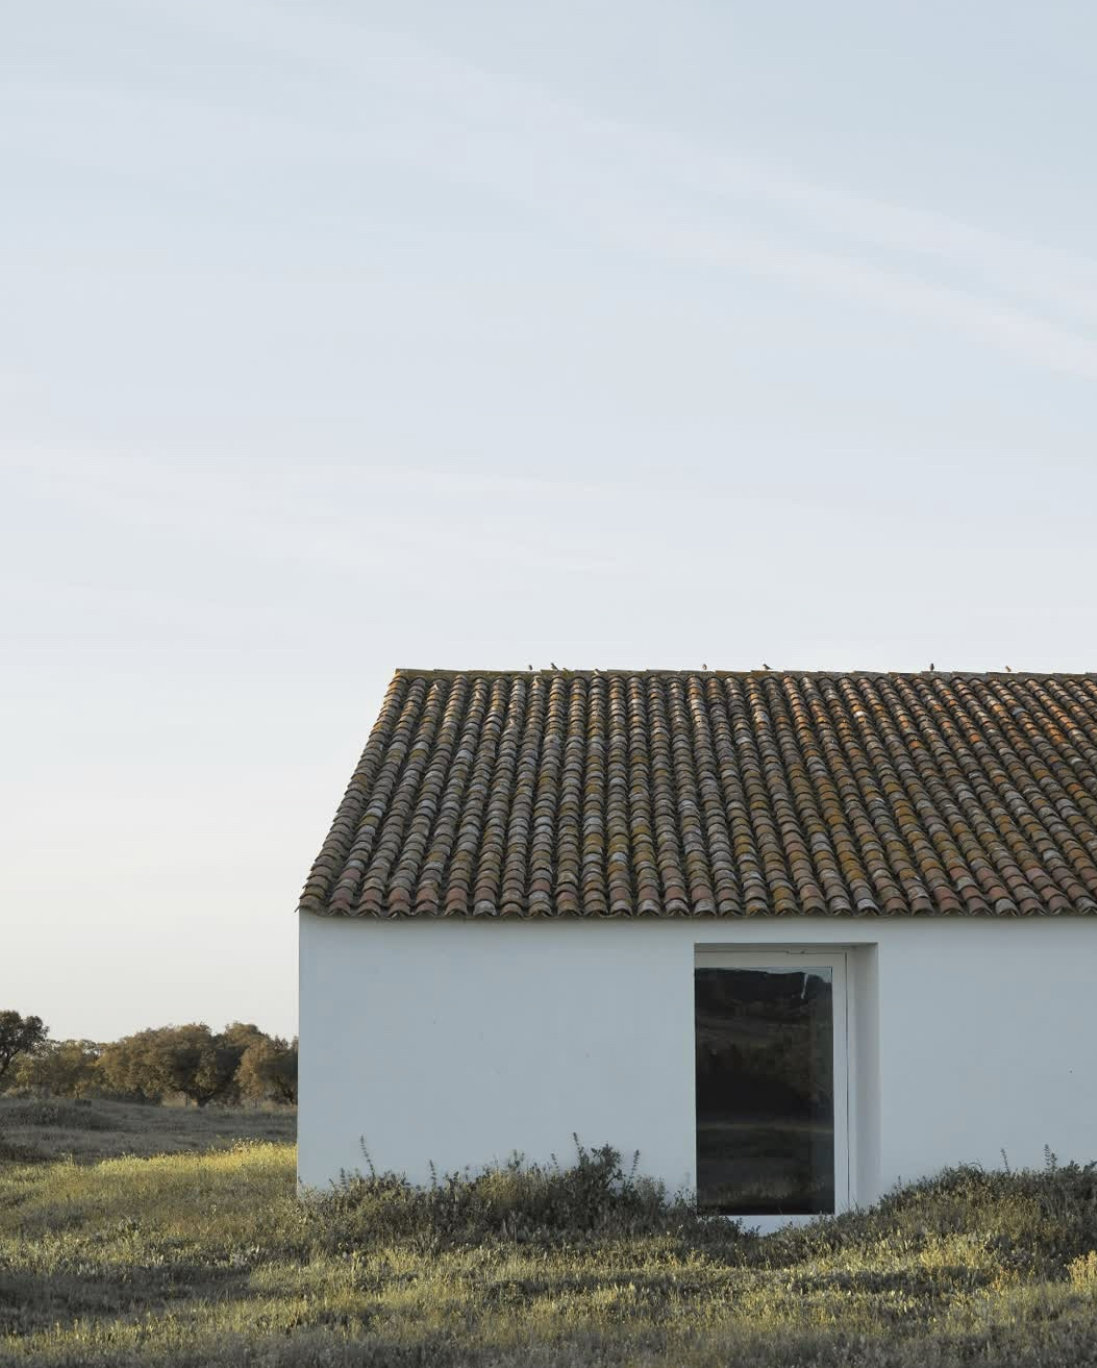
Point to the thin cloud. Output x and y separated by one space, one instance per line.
662 196
360 523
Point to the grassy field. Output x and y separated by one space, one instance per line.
202 1255
89 1131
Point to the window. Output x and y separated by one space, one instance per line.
772 1099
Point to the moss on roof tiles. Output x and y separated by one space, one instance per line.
617 793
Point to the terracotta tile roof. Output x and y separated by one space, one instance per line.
678 794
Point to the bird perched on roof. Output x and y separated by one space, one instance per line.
1009 669
529 667
704 667
931 665
764 665
553 664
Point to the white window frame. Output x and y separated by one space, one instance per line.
803 957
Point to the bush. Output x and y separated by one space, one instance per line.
1042 1222
595 1198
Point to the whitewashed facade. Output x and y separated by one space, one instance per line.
457 1042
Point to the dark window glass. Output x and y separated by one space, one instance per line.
765 1090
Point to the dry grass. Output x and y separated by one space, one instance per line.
58 1128
208 1258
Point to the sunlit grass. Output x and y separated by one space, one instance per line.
212 1259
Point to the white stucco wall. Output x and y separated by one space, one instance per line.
459 1042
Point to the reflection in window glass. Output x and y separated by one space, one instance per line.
765 1090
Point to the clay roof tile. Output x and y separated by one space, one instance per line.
674 794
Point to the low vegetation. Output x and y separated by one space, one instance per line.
34 1129
208 1257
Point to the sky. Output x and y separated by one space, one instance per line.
339 337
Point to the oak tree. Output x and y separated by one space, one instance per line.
18 1035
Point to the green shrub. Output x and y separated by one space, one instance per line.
594 1197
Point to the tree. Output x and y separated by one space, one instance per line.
268 1071
239 1062
178 1059
209 1071
62 1068
242 1034
190 1060
18 1035
239 1037
126 1067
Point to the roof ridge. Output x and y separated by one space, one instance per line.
589 672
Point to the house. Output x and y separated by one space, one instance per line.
792 936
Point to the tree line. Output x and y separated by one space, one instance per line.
237 1065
